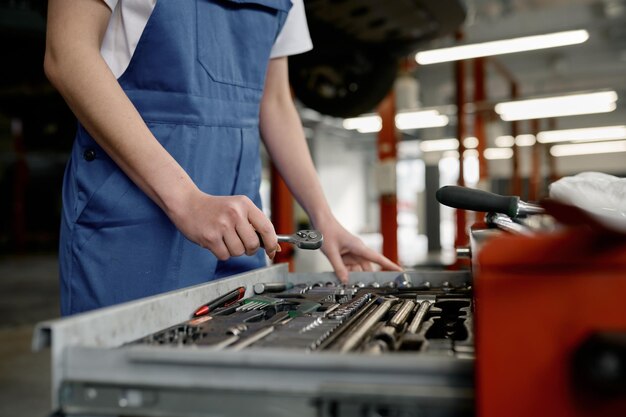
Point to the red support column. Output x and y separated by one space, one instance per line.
387 139
282 216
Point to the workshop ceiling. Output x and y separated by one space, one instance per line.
598 63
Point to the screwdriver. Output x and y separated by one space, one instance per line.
478 200
225 300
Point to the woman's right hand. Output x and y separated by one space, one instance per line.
226 225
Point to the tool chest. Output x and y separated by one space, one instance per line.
551 324
300 344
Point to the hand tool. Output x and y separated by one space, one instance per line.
225 300
261 287
303 239
365 326
424 306
387 333
401 316
403 281
233 333
258 335
478 200
348 322
258 302
504 222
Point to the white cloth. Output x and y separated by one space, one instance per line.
601 195
129 18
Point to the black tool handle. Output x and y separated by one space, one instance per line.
477 200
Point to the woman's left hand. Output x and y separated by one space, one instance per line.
346 252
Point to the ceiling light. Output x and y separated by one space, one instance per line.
470 142
451 155
506 46
470 153
505 141
580 135
420 119
498 153
439 145
364 124
588 148
525 140
568 105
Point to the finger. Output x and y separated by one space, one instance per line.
388 264
377 258
355 268
336 261
363 264
366 266
249 237
264 227
220 250
234 244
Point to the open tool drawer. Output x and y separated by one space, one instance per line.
106 362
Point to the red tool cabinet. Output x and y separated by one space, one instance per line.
537 300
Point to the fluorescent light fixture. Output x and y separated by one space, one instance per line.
583 135
505 46
420 119
505 141
404 121
364 124
451 154
470 153
437 145
498 153
588 148
568 105
525 140
470 142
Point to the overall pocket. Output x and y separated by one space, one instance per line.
235 38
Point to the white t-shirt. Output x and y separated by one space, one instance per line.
129 18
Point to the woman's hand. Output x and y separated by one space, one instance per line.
347 252
226 226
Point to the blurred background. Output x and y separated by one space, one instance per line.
391 112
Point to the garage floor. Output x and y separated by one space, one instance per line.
29 293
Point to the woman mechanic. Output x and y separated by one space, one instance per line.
162 187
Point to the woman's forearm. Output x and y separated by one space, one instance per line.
284 138
74 65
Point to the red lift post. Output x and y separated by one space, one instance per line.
387 153
282 216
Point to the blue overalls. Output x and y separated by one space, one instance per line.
197 78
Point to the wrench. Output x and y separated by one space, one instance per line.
304 239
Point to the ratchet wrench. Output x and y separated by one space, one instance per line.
304 239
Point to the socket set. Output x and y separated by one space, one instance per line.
273 343
373 318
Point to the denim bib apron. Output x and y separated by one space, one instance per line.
197 78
